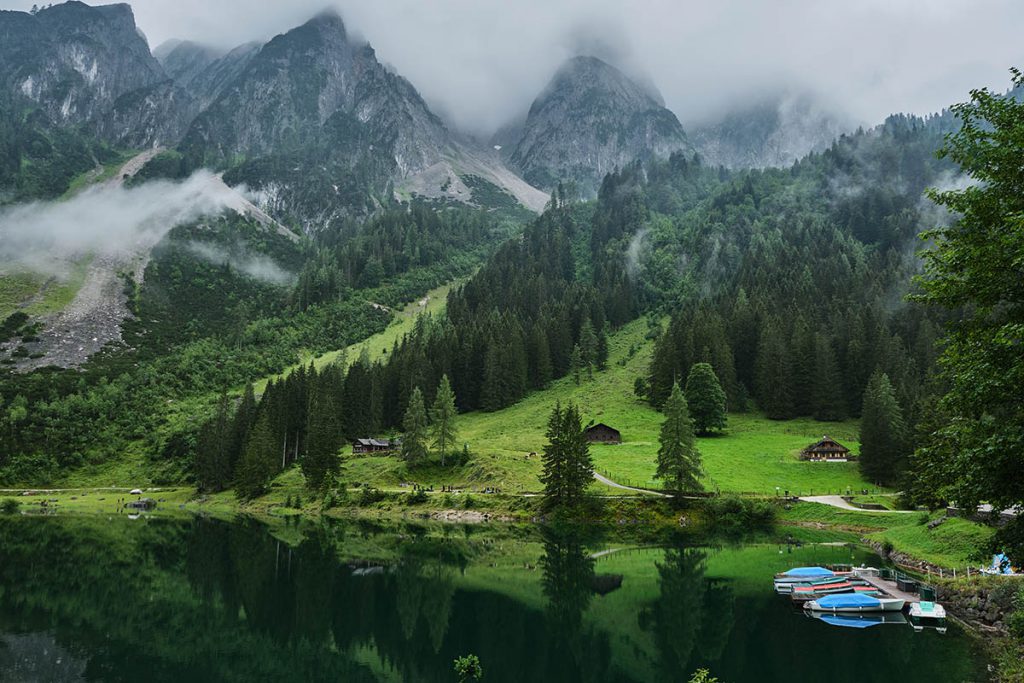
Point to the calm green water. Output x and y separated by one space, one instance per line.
100 599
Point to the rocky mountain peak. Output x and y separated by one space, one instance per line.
589 120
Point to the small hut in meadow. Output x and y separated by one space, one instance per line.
602 433
381 446
826 450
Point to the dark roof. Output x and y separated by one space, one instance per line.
383 443
601 425
827 444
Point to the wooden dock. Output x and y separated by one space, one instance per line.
890 588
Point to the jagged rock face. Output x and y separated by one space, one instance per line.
204 71
312 85
773 132
590 120
75 61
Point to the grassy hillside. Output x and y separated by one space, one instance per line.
433 302
754 456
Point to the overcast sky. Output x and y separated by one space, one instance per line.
479 61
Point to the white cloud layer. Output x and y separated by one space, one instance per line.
480 61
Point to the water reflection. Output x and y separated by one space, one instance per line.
202 600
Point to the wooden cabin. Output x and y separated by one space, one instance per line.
363 446
826 450
602 433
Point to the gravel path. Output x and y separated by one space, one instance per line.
839 502
615 485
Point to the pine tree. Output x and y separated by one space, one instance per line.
774 374
258 460
414 438
679 463
705 399
320 464
245 415
580 464
568 466
539 355
555 472
882 432
576 364
827 389
588 347
444 416
213 450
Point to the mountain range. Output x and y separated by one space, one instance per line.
319 128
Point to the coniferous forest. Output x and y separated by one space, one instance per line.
602 362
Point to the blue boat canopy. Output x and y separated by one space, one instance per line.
810 571
841 600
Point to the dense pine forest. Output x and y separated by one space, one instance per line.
796 303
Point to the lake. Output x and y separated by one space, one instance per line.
112 599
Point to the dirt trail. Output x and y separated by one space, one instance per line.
842 504
615 485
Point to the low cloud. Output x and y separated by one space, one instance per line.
240 259
106 219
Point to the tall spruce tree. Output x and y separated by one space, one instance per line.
827 387
774 374
882 432
245 415
320 465
214 469
588 345
568 466
444 416
679 462
555 471
539 358
705 399
414 436
576 364
580 462
258 461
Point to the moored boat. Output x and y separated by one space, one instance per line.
926 614
806 593
864 620
784 580
853 603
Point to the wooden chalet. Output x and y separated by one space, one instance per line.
826 450
602 433
362 446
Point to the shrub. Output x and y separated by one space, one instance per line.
733 514
1015 620
9 506
416 497
370 495
468 668
468 502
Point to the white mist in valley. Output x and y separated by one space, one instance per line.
107 219
240 259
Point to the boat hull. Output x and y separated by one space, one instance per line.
883 605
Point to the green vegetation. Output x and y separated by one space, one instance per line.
678 458
973 451
35 294
705 399
568 468
882 433
952 544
